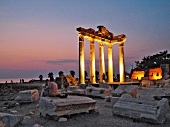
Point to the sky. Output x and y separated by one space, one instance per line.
39 36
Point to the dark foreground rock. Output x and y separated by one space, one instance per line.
9 120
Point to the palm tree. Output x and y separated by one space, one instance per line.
41 77
60 73
72 73
50 75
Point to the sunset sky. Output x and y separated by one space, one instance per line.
39 36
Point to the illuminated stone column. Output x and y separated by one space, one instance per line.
121 62
81 60
92 62
110 64
101 59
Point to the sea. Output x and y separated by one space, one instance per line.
16 80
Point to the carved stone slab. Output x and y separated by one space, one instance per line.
142 109
95 92
56 107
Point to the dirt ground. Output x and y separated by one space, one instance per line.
102 117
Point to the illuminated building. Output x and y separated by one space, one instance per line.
102 36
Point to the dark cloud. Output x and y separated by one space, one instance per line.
64 61
61 61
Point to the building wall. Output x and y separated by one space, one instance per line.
155 73
137 75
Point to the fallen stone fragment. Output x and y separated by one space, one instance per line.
10 120
27 96
141 109
123 89
62 119
37 125
13 111
31 113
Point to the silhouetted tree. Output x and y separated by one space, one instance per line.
72 73
60 73
97 75
41 77
85 74
153 61
106 75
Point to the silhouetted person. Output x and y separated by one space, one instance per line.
66 84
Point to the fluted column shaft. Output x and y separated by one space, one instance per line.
92 62
110 64
101 59
121 62
81 60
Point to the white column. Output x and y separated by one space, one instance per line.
92 62
121 62
101 59
81 60
110 64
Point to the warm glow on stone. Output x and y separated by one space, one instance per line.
138 75
155 73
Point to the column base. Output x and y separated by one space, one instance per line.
82 86
95 84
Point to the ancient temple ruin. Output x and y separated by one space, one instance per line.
103 37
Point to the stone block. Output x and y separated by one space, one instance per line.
56 107
103 85
72 88
114 100
10 120
78 92
154 93
147 82
27 96
95 92
122 89
142 109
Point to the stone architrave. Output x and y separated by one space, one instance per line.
27 96
56 107
141 109
10 120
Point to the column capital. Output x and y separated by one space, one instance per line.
90 39
121 44
101 43
109 45
81 36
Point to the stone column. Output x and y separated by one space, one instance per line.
110 64
101 59
81 60
121 62
92 62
